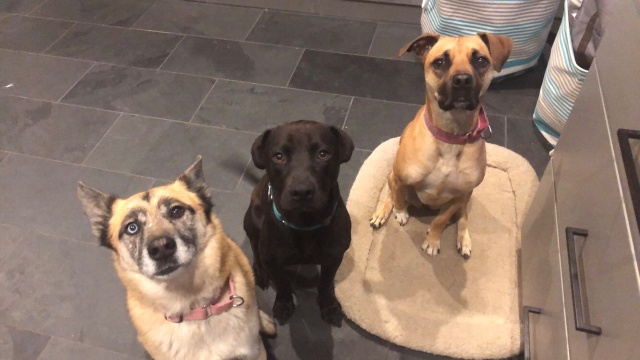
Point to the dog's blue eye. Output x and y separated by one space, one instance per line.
132 228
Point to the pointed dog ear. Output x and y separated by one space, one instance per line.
499 47
345 144
258 151
97 207
193 178
420 45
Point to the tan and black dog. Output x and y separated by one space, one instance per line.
190 289
442 155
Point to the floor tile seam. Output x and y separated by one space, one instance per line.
76 83
19 328
37 7
373 39
202 103
48 234
344 122
218 38
59 38
171 53
42 17
85 344
100 141
91 167
262 12
246 168
325 16
295 68
143 14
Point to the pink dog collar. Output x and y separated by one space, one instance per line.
215 307
472 136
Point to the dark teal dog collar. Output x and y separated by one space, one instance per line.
279 217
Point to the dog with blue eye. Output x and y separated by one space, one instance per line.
296 214
190 289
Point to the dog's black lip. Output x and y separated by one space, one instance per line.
167 270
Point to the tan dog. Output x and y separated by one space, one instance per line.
442 155
174 259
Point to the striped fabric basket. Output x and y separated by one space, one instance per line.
527 22
561 85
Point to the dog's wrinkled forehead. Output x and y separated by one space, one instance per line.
151 204
301 135
458 48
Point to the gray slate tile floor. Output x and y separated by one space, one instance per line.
122 94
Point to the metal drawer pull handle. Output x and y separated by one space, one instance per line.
525 337
581 324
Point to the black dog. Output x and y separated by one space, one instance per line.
297 215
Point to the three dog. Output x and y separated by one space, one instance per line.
297 215
442 155
190 289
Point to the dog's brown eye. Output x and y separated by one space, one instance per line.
176 212
438 64
482 62
279 158
323 155
132 228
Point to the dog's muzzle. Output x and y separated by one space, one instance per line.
460 93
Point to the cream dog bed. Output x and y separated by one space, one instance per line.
443 305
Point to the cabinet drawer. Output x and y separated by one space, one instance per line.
541 279
588 197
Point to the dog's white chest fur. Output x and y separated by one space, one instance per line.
453 174
207 339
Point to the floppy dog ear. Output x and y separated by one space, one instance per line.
258 151
499 47
345 144
97 207
193 178
420 45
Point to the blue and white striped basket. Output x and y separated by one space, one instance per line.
561 85
527 22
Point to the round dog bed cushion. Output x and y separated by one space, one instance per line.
442 305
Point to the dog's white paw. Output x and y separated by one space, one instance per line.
431 249
464 246
401 216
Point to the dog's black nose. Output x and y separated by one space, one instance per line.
301 192
461 80
162 248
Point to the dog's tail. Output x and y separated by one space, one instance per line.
267 326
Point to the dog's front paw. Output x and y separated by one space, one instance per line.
432 249
262 280
331 312
401 216
283 310
464 247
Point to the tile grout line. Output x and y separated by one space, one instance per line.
45 345
126 356
37 7
100 141
254 25
74 84
171 53
202 102
375 33
132 26
59 38
344 123
246 168
295 68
